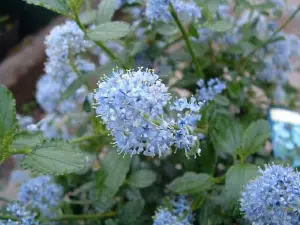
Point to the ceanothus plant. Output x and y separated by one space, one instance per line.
174 131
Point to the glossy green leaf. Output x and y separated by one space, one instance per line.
27 140
221 26
227 136
59 6
109 31
131 212
142 179
55 157
255 136
191 183
106 10
112 174
8 119
237 177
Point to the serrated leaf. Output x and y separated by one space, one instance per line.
27 140
109 31
106 10
221 26
191 183
255 136
227 136
88 17
131 211
112 174
59 6
55 157
8 118
237 177
221 100
142 179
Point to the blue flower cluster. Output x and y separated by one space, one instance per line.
208 92
180 213
273 196
41 193
63 43
158 10
132 106
19 211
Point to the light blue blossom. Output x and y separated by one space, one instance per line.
63 43
158 10
41 193
132 103
180 213
25 216
273 197
207 92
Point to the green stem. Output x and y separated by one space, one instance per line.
101 44
272 36
6 217
82 217
186 39
25 151
84 138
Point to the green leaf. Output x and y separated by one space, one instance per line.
88 17
59 6
55 157
221 100
131 212
106 10
74 86
193 31
255 136
237 177
27 140
191 183
109 31
227 136
8 120
112 174
142 179
166 29
221 26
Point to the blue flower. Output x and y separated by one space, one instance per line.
180 213
19 210
208 92
273 196
131 104
158 10
41 193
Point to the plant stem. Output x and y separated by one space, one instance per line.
272 37
82 217
100 44
25 151
186 39
84 138
6 217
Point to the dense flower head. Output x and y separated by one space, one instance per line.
132 103
180 212
158 10
65 42
41 193
207 92
273 197
19 210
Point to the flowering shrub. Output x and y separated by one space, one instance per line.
173 132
